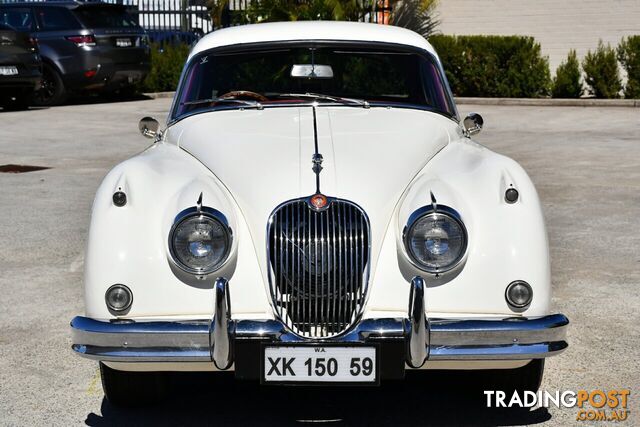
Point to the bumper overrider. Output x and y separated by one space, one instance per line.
412 340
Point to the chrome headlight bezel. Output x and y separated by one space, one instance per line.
201 212
439 211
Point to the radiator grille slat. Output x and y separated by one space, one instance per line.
318 266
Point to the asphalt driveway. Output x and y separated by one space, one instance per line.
585 163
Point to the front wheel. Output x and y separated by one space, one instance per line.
526 378
130 389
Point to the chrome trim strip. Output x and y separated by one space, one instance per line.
147 341
453 340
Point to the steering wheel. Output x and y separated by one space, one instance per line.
244 93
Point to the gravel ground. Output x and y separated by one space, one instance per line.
585 163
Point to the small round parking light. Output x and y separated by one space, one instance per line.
118 298
119 198
511 195
519 294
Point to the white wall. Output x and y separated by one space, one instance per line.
558 25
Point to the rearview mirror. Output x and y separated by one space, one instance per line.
311 71
472 124
148 127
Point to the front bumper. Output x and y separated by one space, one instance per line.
224 341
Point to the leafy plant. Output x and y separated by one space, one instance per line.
568 82
290 10
629 56
416 15
166 65
493 66
601 71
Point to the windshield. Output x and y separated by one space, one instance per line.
105 17
353 76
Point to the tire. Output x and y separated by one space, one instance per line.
52 91
526 378
132 389
128 92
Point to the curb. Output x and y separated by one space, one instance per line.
157 95
524 102
551 102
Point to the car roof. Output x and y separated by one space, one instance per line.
311 30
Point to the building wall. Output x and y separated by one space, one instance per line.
558 25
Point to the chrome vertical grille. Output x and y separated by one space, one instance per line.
319 264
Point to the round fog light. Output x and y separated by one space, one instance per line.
118 298
519 294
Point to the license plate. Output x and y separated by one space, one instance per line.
123 42
312 364
8 71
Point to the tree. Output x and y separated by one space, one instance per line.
568 82
601 70
292 10
629 57
416 15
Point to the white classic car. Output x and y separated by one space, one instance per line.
315 212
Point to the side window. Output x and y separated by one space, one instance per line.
56 19
17 18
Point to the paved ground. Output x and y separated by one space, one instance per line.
584 161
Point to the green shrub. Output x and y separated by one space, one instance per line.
629 57
494 66
166 65
601 72
568 82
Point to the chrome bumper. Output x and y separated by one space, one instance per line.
514 338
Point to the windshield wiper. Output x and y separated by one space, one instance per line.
338 99
248 103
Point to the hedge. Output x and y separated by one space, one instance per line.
494 66
166 65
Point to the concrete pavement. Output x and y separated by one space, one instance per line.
585 163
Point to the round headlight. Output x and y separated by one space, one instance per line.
200 241
436 240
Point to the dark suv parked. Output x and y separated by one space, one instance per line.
20 68
84 46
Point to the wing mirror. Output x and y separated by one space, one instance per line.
472 124
148 127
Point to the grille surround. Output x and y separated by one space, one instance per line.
314 299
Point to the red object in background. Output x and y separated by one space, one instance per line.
384 12
87 40
90 73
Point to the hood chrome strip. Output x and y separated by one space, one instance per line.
317 157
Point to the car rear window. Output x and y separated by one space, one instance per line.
56 19
18 19
105 17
